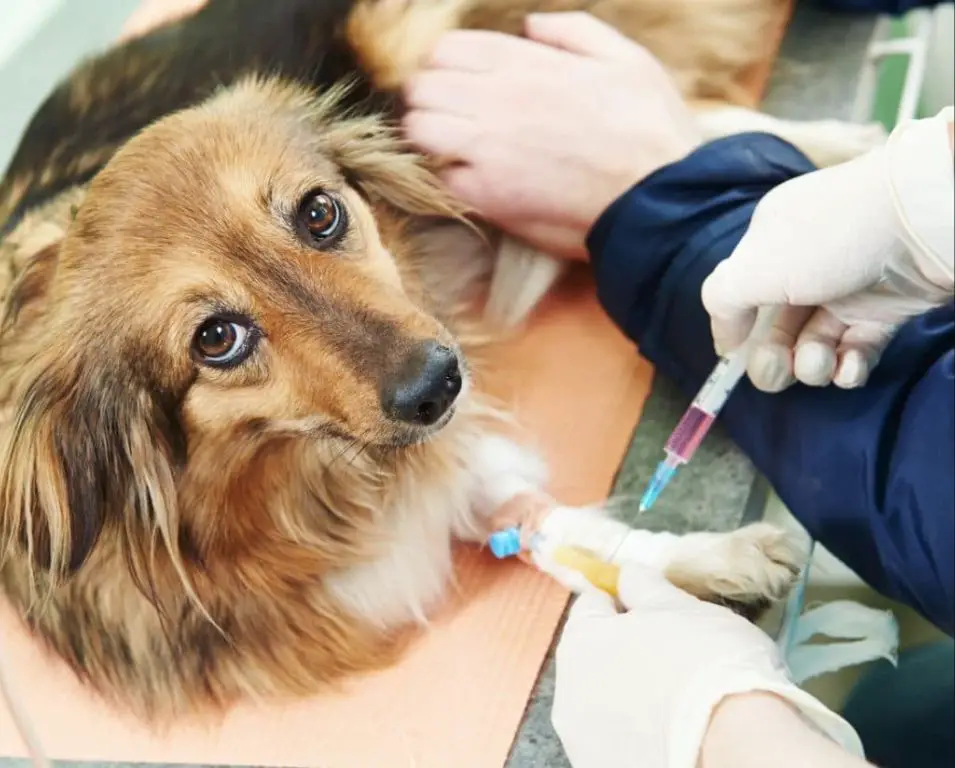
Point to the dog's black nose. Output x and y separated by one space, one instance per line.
425 387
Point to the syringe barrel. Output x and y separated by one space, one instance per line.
707 404
689 433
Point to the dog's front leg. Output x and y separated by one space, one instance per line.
503 476
747 569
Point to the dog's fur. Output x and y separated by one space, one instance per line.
184 536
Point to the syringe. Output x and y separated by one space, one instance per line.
701 414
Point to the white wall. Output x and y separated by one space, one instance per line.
40 41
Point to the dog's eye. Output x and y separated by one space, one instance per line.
322 216
222 342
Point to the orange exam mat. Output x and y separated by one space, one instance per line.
458 697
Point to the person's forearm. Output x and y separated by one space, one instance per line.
867 471
754 730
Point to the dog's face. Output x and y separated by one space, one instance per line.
229 276
247 267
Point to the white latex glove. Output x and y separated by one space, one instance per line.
638 689
849 253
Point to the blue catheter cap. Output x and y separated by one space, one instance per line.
505 543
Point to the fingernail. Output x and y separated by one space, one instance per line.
769 367
815 363
853 370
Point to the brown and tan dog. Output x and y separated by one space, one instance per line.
241 418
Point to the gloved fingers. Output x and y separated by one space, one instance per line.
859 353
593 604
814 363
741 284
770 364
568 578
640 588
730 321
853 369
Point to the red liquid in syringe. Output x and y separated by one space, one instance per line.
689 433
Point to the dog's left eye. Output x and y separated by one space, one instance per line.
223 342
322 216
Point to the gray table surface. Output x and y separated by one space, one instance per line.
815 77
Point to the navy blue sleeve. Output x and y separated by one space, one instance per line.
889 7
870 472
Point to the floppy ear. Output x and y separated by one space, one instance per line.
83 453
377 161
378 164
86 448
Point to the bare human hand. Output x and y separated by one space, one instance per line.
545 133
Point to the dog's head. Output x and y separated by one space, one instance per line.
232 282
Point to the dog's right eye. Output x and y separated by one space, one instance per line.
223 342
322 218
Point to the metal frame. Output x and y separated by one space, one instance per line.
915 46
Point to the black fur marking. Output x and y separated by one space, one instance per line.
109 99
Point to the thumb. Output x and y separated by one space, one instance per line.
640 588
579 32
733 294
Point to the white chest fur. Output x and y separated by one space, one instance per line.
430 508
417 528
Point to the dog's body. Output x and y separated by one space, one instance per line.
186 528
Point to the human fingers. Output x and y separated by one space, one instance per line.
499 193
737 288
770 363
596 602
590 604
447 136
565 241
814 362
768 267
859 352
475 51
445 91
641 588
467 184
852 369
515 211
581 33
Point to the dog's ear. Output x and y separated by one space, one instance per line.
382 169
379 163
84 452
86 447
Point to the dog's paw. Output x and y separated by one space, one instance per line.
774 556
747 570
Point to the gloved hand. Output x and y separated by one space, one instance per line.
848 253
639 688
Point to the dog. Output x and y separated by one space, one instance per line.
243 411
